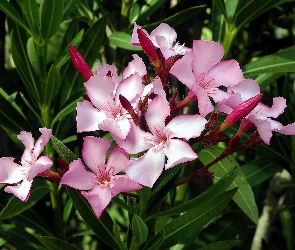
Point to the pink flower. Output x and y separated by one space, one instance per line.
202 71
103 181
163 37
31 165
261 115
163 141
105 111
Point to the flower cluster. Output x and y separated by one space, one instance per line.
147 120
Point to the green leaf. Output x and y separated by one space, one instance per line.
89 47
15 206
51 17
10 11
52 85
149 8
222 245
22 65
123 204
55 244
247 11
65 56
134 13
211 193
11 118
179 17
140 230
190 222
33 56
71 107
244 197
218 21
33 16
221 6
155 242
68 8
118 237
122 40
265 79
259 170
280 62
65 153
102 227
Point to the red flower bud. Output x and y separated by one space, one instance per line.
239 112
147 46
80 63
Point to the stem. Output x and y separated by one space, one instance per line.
230 34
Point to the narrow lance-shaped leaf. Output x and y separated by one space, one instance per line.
32 55
140 230
244 197
190 222
53 243
51 17
52 85
214 191
10 11
33 16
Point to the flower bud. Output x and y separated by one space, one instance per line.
147 46
240 111
80 63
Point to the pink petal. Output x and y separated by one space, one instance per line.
287 130
157 112
204 104
100 90
78 177
124 184
278 107
182 70
219 96
42 164
246 89
147 168
134 142
88 117
110 71
27 139
165 31
263 128
131 88
136 65
94 152
134 38
41 142
178 152
207 54
186 126
21 191
98 198
10 172
117 159
118 128
226 73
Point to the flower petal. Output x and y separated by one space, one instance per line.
136 65
147 168
124 184
94 152
88 117
134 142
98 199
10 172
278 107
43 139
118 128
100 90
42 164
78 177
207 54
178 152
117 159
27 139
226 73
204 104
21 191
186 126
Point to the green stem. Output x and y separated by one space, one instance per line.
230 34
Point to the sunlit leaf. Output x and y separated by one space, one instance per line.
122 40
244 197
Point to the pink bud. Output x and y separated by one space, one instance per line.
147 46
80 63
240 111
